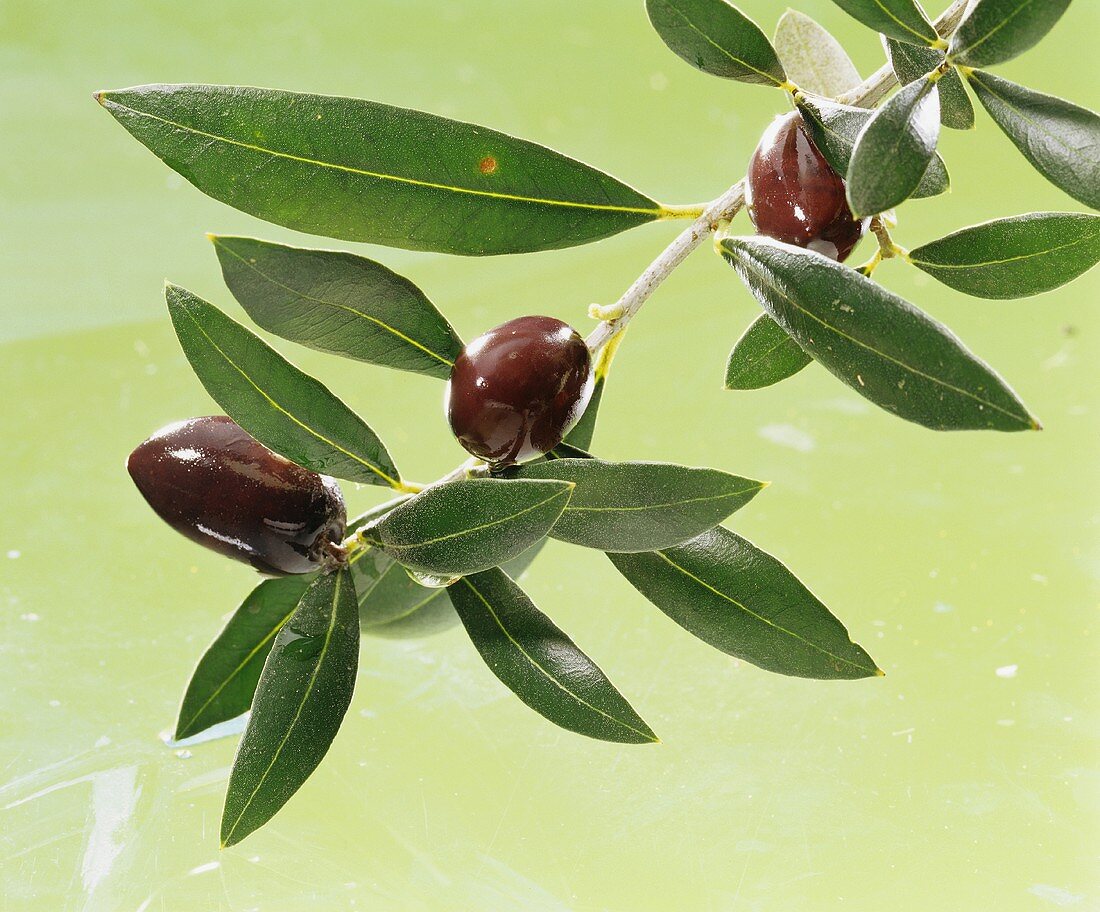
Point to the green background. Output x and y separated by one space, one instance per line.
946 785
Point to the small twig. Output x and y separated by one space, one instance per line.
868 93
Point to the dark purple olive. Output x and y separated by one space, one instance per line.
212 481
795 196
516 391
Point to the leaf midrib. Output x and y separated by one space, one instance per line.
661 506
301 705
1000 25
1054 137
488 607
890 358
656 212
392 482
462 532
904 25
351 310
1014 259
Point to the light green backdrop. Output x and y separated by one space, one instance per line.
968 564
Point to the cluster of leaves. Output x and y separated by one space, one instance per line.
361 171
817 310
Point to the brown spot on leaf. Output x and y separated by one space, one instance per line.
487 165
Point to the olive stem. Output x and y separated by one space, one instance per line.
868 93
887 249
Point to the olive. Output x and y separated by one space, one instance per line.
795 196
211 480
516 391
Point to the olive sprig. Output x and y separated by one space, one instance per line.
258 483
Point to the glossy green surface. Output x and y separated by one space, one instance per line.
1058 137
641 506
895 149
536 660
338 302
967 564
883 347
358 170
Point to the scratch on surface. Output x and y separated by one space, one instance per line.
114 796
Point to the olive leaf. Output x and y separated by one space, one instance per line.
716 37
363 171
741 600
1014 257
901 19
340 303
282 407
640 506
880 345
540 664
764 355
225 679
468 525
895 149
998 30
835 127
812 58
304 690
910 62
1059 138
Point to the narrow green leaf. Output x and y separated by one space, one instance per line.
303 693
225 679
894 149
1014 257
468 525
716 37
640 506
998 30
835 128
742 601
880 345
540 664
764 355
911 62
363 171
812 58
340 303
280 406
901 19
1059 138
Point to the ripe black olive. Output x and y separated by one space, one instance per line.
219 486
516 391
795 196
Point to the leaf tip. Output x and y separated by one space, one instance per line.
879 673
100 96
1035 423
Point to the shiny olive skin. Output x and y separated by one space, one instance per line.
795 196
212 481
516 391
